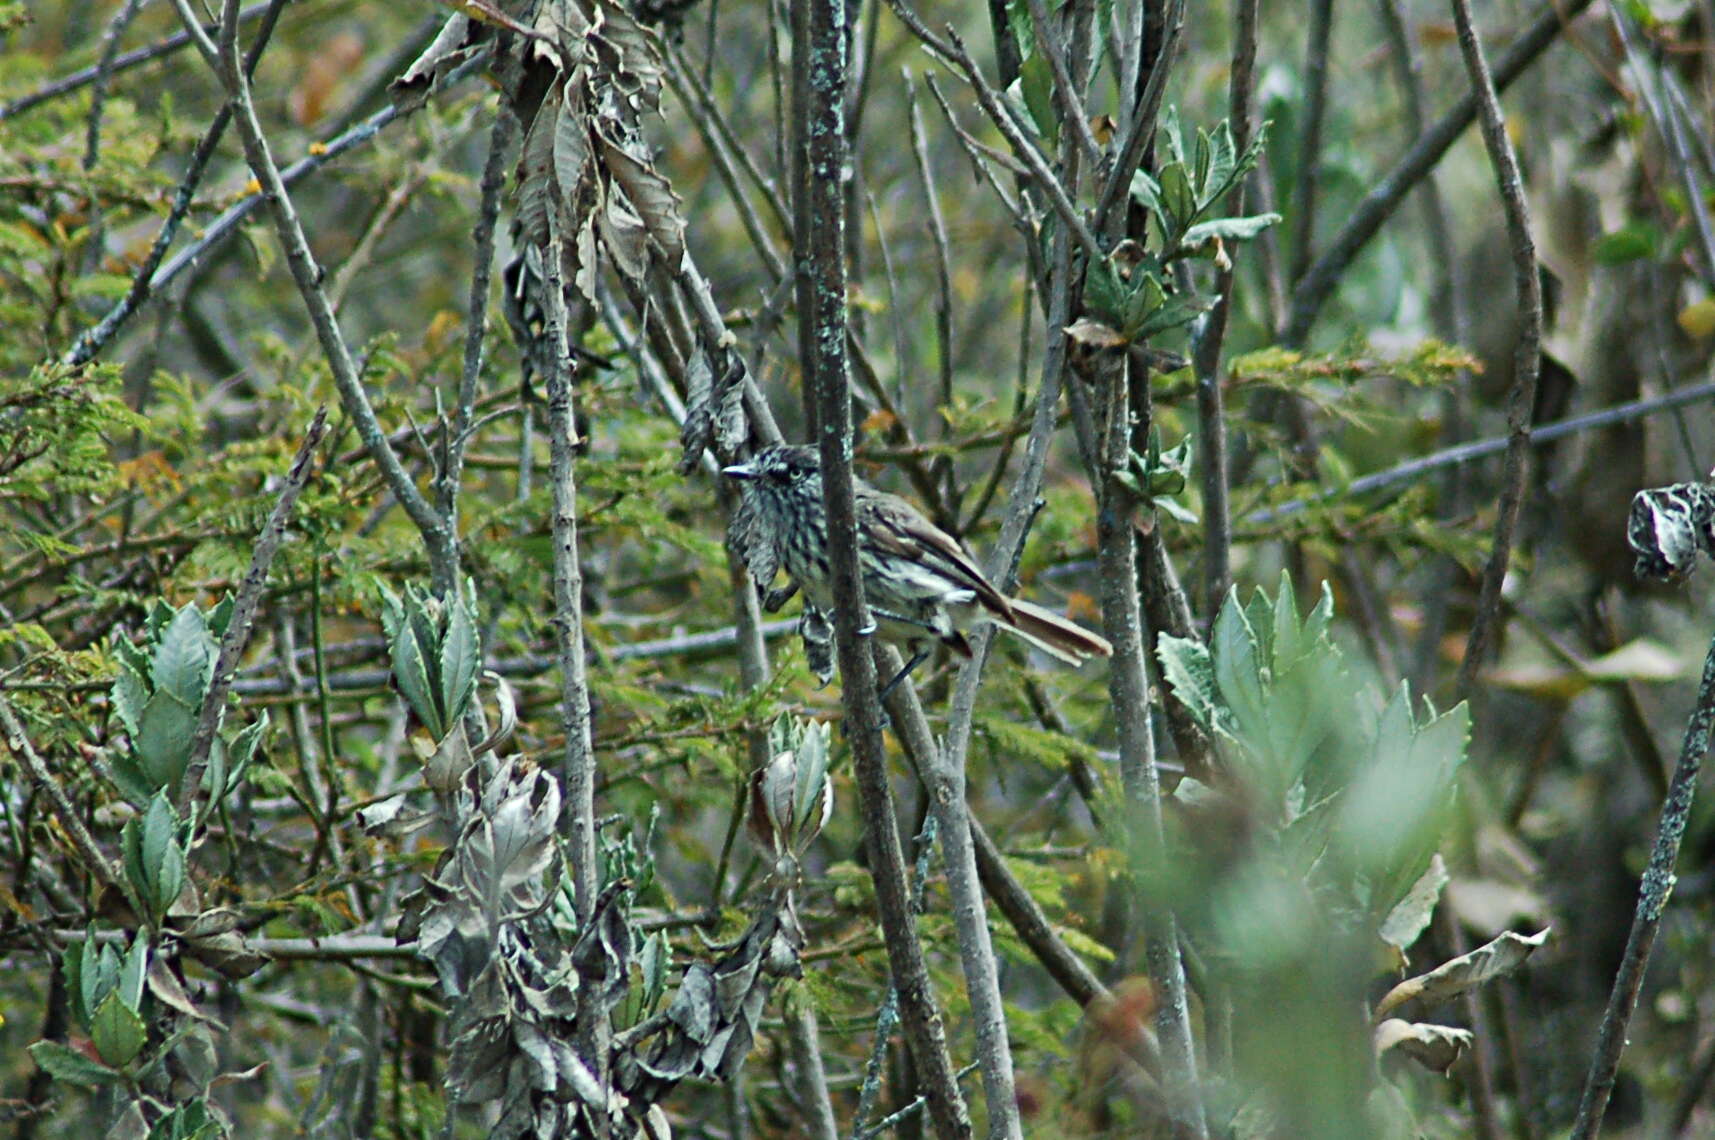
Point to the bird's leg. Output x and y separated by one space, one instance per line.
917 659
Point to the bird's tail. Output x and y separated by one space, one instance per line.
1054 635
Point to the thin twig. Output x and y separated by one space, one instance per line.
943 255
954 51
438 537
143 284
578 774
1527 353
1414 469
1210 334
124 61
476 312
243 613
1318 281
103 72
1068 99
97 863
812 1077
1658 880
1110 219
1310 138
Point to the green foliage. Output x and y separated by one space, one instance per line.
1326 809
55 433
158 693
435 651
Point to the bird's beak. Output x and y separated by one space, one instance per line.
739 471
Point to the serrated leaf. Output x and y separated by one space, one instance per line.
1410 916
132 973
163 741
129 694
461 657
1186 664
1222 160
653 962
650 195
411 672
242 751
1178 202
183 663
133 783
119 1033
1173 312
63 1063
571 140
536 180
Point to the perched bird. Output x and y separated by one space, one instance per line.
920 584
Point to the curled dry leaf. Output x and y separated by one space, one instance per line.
1452 978
1432 1046
456 42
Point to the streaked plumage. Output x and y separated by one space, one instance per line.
920 584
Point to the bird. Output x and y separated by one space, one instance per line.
921 585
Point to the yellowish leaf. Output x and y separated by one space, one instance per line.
1698 319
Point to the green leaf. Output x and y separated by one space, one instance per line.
1036 85
133 973
189 1121
242 751
654 961
154 860
163 742
119 1033
1222 160
130 693
184 660
1186 664
1227 229
71 967
133 783
461 657
1635 241
411 671
1171 313
1019 24
1178 203
63 1063
1410 917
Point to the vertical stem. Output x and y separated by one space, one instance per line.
1527 353
805 1041
1128 685
1209 335
1310 143
824 282
579 771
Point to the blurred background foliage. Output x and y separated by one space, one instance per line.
145 477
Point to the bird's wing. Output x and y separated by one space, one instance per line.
899 528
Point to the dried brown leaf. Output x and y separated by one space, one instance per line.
1434 1047
1452 978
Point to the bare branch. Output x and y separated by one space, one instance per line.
1658 879
244 612
1527 353
1313 288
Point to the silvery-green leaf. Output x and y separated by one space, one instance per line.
183 663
